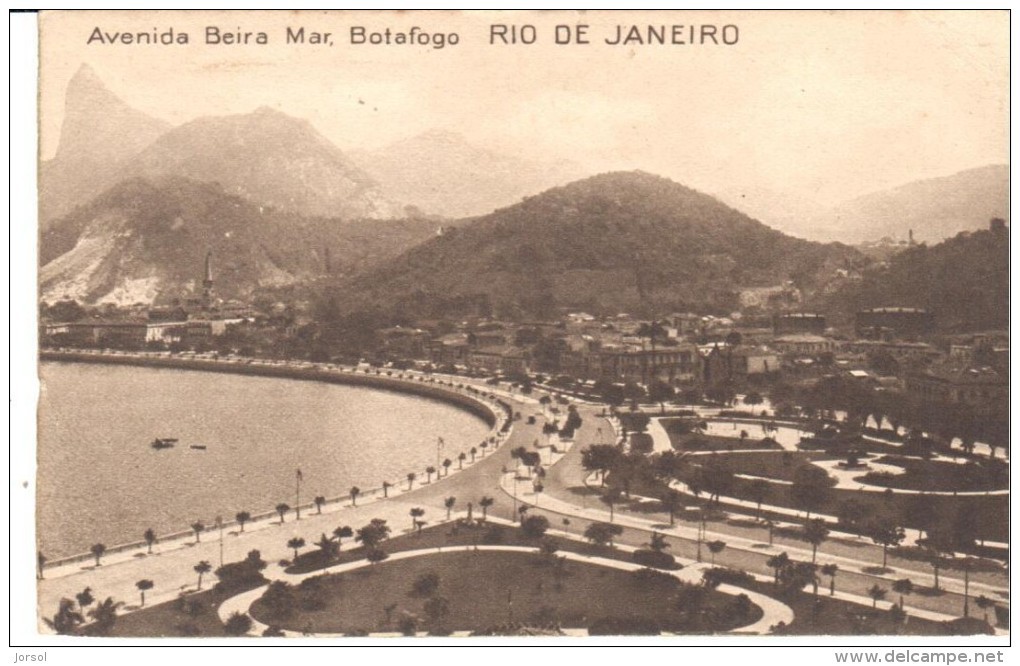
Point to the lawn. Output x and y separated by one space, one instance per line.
940 475
486 590
192 615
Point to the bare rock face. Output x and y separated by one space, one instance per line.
99 133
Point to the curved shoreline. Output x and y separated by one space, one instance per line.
496 413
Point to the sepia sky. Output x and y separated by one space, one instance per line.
819 105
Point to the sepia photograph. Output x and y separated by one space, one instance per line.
520 327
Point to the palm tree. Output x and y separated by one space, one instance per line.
328 547
715 547
242 517
150 538
319 501
473 452
105 615
673 501
67 618
485 503
611 497
143 585
84 598
521 511
410 480
197 527
282 508
461 457
448 503
483 446
341 533
815 532
759 491
446 466
902 587
771 526
201 569
416 513
877 593
429 471
386 489
296 543
355 491
830 570
40 561
97 550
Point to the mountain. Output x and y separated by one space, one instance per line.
935 209
963 281
441 173
267 157
99 133
145 241
618 241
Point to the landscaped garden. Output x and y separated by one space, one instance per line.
940 475
481 590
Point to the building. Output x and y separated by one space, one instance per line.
798 322
903 352
723 363
805 344
630 363
981 389
890 323
450 349
504 359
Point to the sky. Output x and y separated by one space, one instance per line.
819 106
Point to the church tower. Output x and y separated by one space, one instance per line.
207 281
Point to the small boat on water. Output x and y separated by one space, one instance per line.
198 447
163 443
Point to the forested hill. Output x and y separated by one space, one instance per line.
623 241
964 281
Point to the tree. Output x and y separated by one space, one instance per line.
939 541
753 398
40 561
877 593
319 501
903 587
97 551
770 525
921 512
984 603
759 489
448 503
376 555
485 503
429 471
534 527
386 485
658 542
143 585
201 569
715 547
410 480
777 563
831 570
198 527
425 585
282 508
104 615
673 501
815 532
342 533
66 619
355 491
446 466
473 452
85 598
373 534
296 543
661 393
328 547
238 624
461 457
810 487
602 534
242 517
416 514
610 497
600 458
436 609
150 538
886 534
